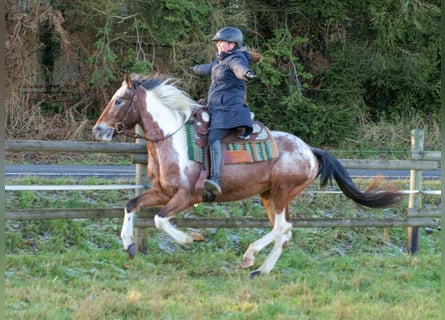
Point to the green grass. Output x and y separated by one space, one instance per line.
76 269
199 283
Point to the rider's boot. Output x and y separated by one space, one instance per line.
213 184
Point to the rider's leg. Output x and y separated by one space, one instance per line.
213 183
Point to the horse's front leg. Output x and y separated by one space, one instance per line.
179 236
127 234
180 201
150 198
172 206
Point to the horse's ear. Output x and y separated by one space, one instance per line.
128 81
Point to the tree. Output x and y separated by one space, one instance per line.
326 63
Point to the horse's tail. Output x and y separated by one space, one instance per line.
330 167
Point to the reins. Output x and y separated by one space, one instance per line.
120 127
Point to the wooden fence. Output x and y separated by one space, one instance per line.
415 217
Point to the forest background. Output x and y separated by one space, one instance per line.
330 69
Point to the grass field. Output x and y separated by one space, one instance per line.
76 269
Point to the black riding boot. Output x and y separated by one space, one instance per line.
212 184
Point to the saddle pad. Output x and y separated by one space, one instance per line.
196 152
234 152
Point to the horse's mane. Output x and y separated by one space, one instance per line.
166 92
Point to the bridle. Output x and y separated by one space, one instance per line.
120 127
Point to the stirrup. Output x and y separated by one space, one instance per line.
212 186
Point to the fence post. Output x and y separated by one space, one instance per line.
140 234
415 183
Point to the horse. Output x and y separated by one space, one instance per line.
162 109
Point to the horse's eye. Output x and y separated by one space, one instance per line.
119 102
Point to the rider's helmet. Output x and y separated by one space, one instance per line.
229 34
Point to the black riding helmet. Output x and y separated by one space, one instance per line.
229 34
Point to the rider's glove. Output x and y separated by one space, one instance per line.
249 76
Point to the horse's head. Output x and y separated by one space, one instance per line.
120 112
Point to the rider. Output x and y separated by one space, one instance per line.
229 73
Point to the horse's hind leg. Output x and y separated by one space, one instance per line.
257 246
273 256
269 205
280 233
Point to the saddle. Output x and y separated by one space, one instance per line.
236 148
258 146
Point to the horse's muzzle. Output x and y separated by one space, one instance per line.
103 133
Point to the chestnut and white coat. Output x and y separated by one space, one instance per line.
161 109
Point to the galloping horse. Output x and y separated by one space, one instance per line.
162 110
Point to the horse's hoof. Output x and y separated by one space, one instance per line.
247 263
131 251
197 237
254 274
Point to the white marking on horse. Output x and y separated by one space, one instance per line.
177 235
181 147
120 92
127 229
283 229
280 234
170 121
304 152
165 117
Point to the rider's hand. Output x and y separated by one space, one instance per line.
249 76
190 70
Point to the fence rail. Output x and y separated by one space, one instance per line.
422 160
420 219
74 146
414 217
